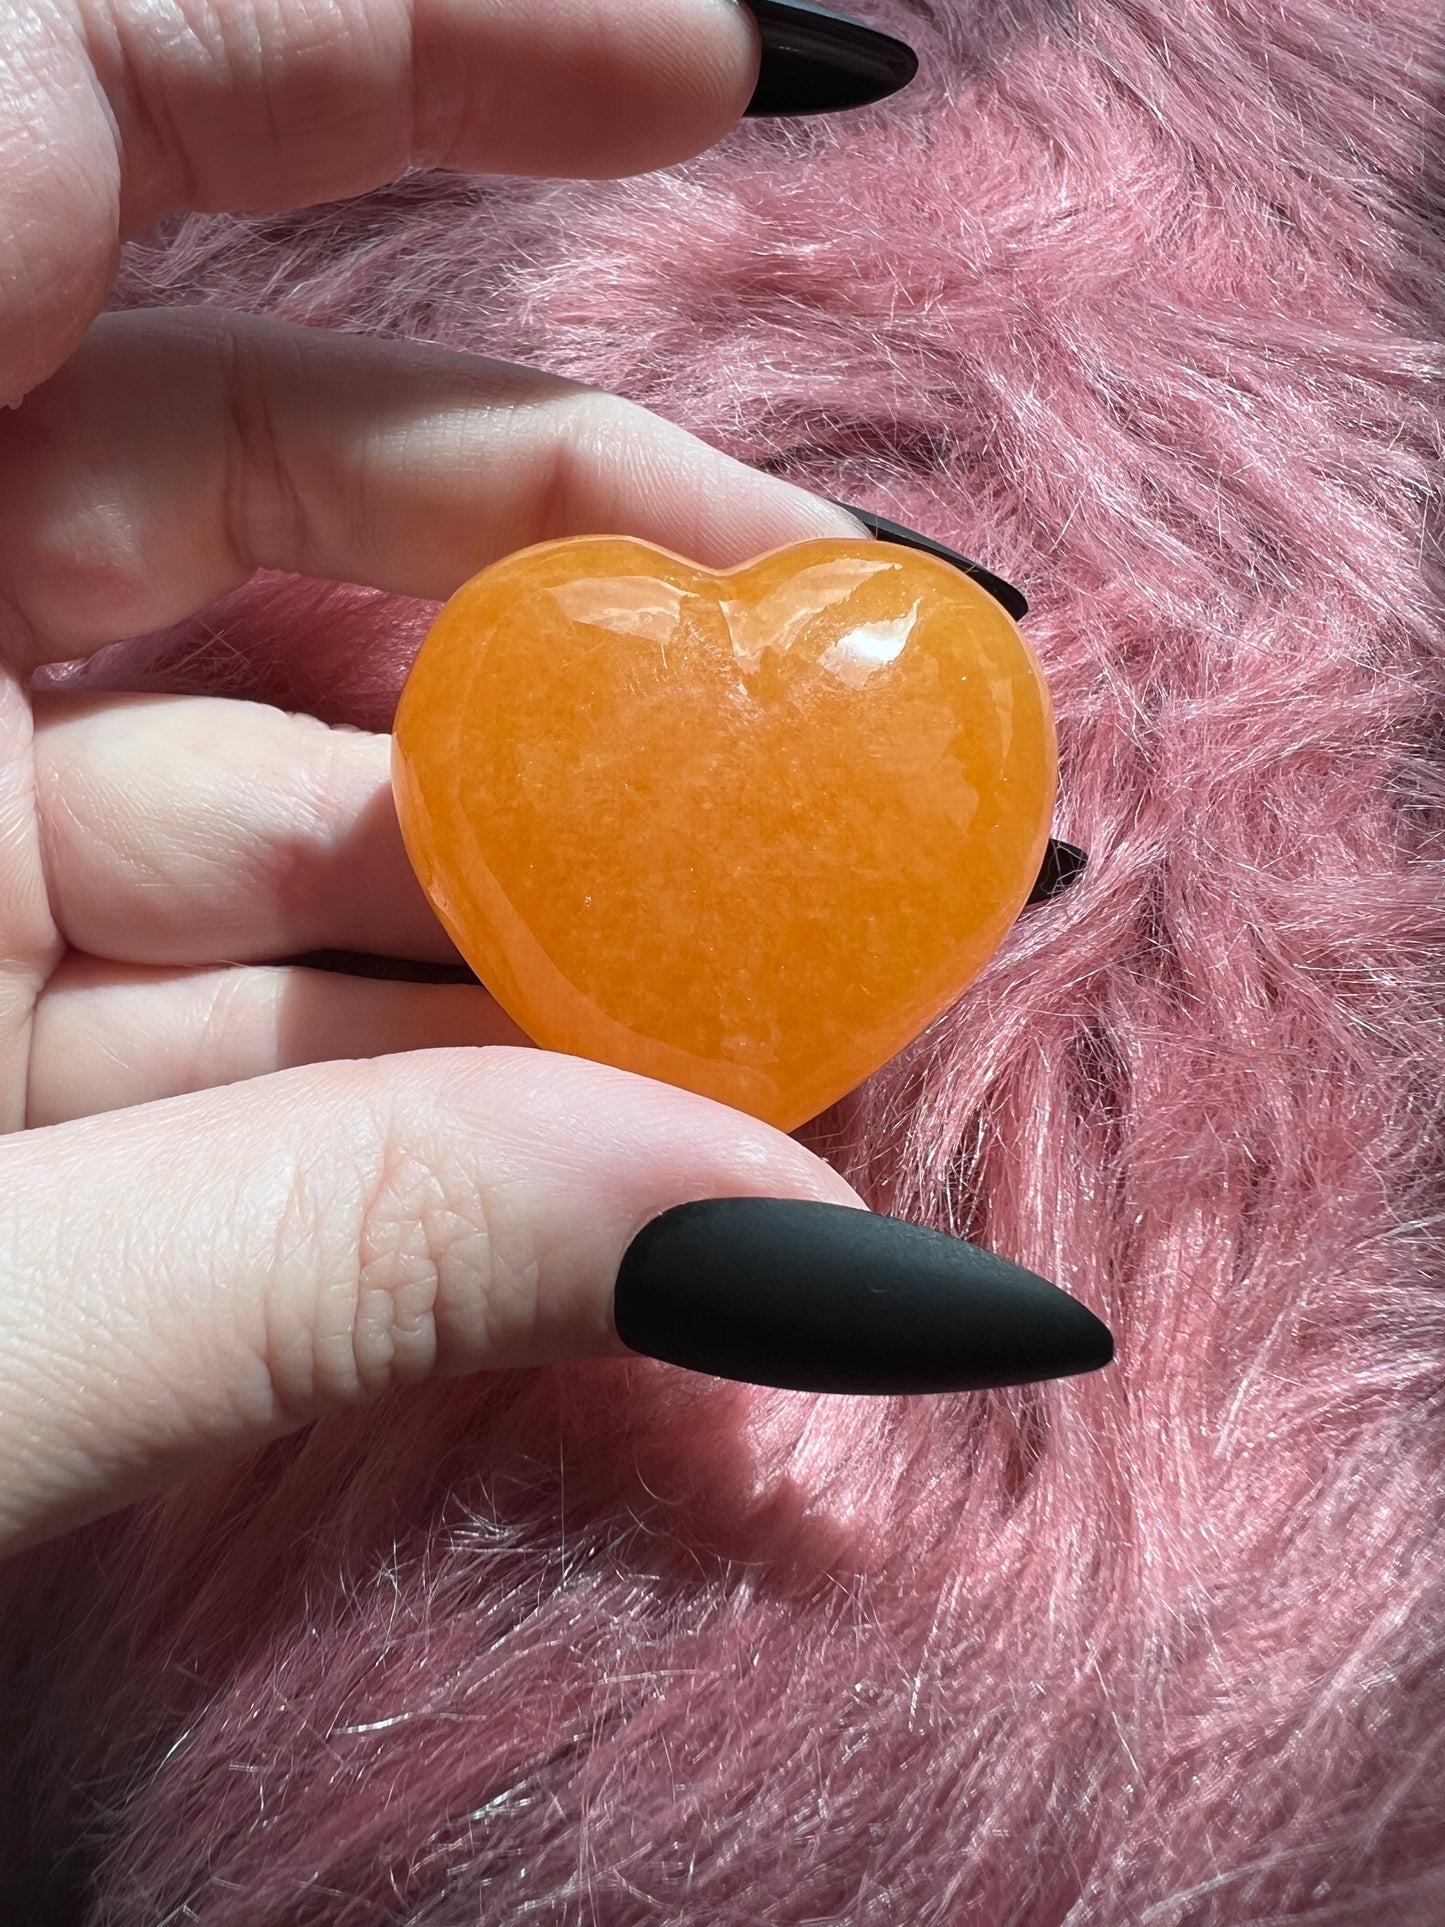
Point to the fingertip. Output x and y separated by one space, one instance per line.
585 89
702 72
572 1160
818 517
686 496
645 1145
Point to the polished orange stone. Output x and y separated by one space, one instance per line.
747 832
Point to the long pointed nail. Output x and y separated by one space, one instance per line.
821 1298
817 62
878 525
1063 864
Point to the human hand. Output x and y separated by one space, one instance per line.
238 1194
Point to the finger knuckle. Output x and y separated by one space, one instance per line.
264 507
402 1246
446 1271
598 442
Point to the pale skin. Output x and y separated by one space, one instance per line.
209 1237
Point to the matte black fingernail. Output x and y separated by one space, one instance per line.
817 62
1063 864
820 1298
1003 592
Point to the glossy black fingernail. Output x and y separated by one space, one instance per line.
820 1298
1003 592
1063 864
817 62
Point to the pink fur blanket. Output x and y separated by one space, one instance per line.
1141 304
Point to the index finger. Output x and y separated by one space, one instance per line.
112 113
176 452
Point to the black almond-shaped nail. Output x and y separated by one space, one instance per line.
1002 592
821 1298
817 62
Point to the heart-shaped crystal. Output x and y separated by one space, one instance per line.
746 831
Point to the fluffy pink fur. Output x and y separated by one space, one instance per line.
1140 303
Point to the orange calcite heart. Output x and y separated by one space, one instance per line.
747 832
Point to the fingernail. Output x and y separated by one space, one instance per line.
821 1298
1004 592
816 62
1063 864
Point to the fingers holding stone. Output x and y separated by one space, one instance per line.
190 830
190 1279
109 1036
177 452
131 108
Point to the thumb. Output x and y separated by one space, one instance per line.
193 1278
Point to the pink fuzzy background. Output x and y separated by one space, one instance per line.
1141 304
